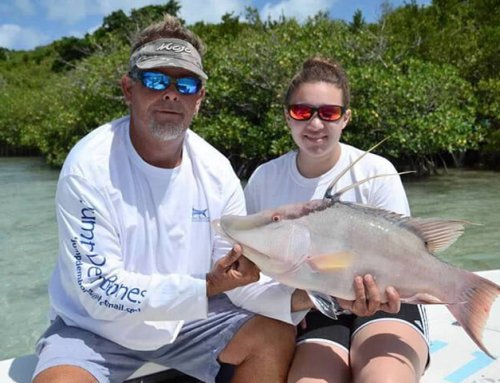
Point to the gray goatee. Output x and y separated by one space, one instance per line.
168 131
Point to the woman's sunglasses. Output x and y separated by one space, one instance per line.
304 112
160 81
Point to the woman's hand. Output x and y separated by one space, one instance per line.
368 298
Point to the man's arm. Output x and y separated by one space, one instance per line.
92 269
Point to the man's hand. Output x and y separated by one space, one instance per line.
232 270
368 299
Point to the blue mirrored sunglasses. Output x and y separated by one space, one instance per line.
160 81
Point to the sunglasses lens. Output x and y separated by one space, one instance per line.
330 112
155 81
188 85
160 81
300 112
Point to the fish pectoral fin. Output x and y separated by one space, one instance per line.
423 298
326 304
331 261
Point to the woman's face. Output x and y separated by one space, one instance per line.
317 138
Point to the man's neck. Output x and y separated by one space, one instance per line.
168 156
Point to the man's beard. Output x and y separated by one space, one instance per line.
167 131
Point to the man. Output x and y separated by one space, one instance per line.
140 273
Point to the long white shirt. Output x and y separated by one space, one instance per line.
278 182
135 241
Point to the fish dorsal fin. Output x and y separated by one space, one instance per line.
388 215
438 234
330 261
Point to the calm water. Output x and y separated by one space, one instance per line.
28 237
469 195
27 251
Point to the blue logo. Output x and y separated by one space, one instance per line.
200 215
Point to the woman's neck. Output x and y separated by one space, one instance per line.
313 167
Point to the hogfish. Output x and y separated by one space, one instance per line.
321 245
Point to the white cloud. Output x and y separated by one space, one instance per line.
15 37
299 9
71 12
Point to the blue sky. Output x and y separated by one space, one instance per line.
25 24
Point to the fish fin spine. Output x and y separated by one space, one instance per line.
337 195
328 193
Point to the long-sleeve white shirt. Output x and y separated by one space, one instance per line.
135 241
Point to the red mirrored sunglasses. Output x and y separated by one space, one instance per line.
304 112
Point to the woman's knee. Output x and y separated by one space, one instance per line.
320 362
387 352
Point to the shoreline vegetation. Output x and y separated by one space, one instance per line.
427 76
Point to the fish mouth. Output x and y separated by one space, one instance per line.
217 226
274 268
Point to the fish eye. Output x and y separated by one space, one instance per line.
276 218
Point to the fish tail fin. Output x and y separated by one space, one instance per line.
477 295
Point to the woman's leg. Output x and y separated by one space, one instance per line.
320 361
388 351
322 352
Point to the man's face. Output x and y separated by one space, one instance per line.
164 114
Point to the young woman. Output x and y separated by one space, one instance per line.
377 342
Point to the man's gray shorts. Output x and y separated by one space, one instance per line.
194 352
